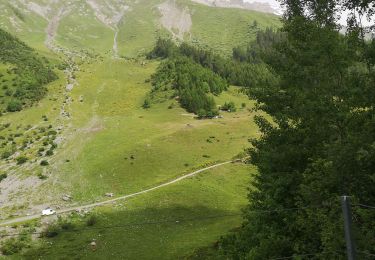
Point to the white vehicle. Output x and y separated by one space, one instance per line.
48 212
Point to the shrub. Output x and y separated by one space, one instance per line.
21 160
44 163
230 107
3 176
6 154
91 221
51 231
14 105
52 132
66 225
146 104
201 113
12 246
49 153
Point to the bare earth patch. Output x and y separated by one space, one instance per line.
175 20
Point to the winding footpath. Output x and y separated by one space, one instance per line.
87 206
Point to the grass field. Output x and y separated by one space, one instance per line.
166 224
124 148
107 129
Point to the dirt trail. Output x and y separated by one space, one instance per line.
92 205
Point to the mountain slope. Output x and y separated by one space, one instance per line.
90 135
128 28
23 74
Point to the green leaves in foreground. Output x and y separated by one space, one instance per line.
319 146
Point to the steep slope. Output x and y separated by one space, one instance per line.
265 6
127 28
23 74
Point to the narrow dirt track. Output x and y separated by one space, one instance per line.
31 217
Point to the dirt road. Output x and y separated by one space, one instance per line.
31 217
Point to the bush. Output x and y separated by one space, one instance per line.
146 104
6 155
66 225
3 176
201 113
44 163
230 107
49 153
51 231
42 176
12 246
14 105
91 221
21 160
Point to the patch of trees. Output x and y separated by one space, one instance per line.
229 106
320 144
192 84
239 72
259 49
32 72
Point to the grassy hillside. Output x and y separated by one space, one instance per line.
23 74
224 28
166 224
79 26
219 28
90 135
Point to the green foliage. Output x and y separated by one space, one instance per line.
30 72
316 148
92 220
3 176
21 160
51 231
66 225
146 104
164 48
257 50
6 154
229 106
44 163
14 105
247 74
192 84
14 245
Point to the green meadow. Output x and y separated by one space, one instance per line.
168 223
107 143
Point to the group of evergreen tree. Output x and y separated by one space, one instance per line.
194 71
31 72
320 143
236 72
255 51
192 84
